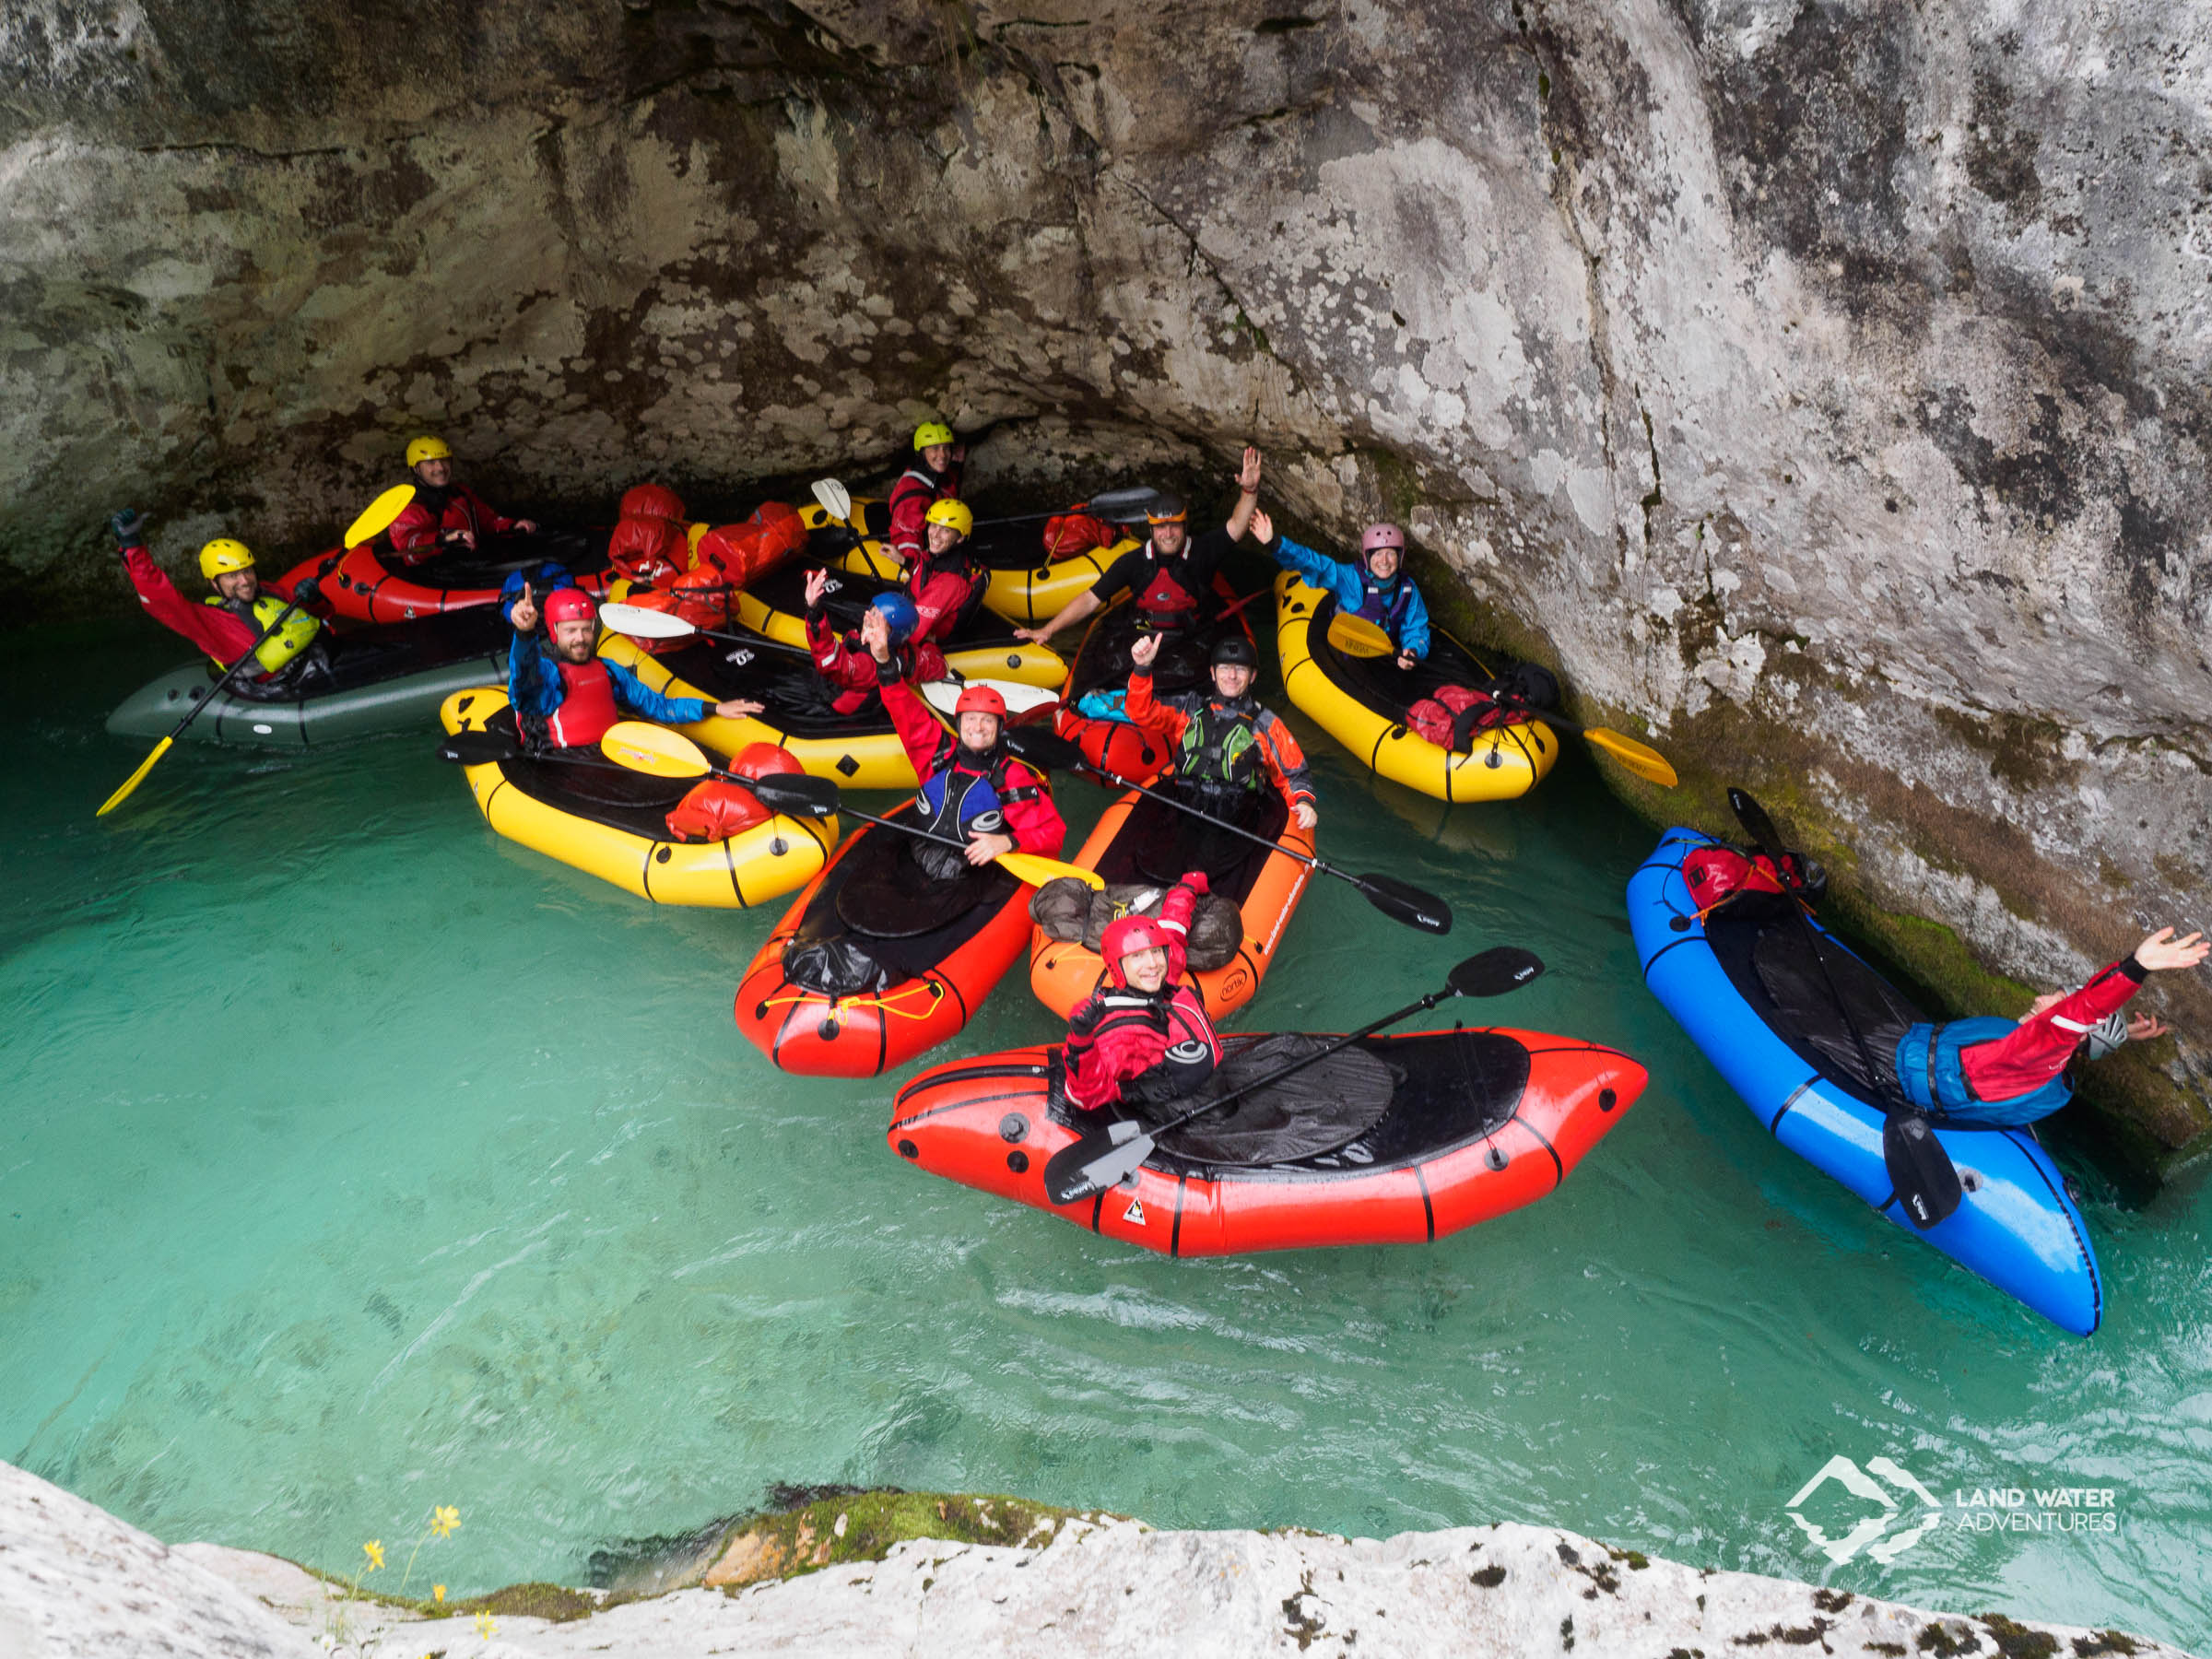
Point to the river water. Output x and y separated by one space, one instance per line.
353 1160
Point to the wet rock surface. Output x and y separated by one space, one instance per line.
1821 386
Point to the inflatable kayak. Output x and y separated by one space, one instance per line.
1745 986
1447 1129
1026 587
612 823
379 680
1141 842
876 962
859 751
1098 678
1339 670
981 648
370 584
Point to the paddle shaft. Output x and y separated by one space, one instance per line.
1167 800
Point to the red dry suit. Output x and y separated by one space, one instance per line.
1133 1047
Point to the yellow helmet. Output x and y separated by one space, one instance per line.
953 514
932 432
225 553
427 448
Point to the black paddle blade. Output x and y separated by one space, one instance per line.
1122 506
1921 1171
1402 902
1096 1162
479 748
1495 971
794 792
1043 748
1757 824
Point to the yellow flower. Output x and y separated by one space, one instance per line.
438 1593
485 1627
374 1550
443 1518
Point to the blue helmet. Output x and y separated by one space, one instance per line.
899 614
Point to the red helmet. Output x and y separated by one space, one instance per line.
569 605
979 700
1128 936
1382 535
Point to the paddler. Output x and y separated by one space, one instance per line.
1172 573
946 584
443 514
846 661
565 696
1999 1073
1143 1038
972 789
233 619
1376 590
933 476
1227 746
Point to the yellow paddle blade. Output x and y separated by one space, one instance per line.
378 518
1356 636
135 779
1646 762
1032 871
645 748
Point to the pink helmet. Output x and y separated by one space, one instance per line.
1126 938
1382 535
569 605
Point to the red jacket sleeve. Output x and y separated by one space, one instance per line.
907 534
1175 911
1285 760
1035 823
844 667
216 632
1144 710
919 733
414 531
2037 1048
487 517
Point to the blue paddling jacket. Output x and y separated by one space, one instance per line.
1395 606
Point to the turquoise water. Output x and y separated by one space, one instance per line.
352 1160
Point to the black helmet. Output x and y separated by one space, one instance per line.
1234 650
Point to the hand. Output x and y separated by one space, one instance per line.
2162 952
524 613
737 707
306 591
527 526
1035 636
1195 880
1303 812
1407 661
1262 525
959 454
1087 1018
1248 478
818 583
1144 650
129 526
465 539
983 849
2144 1026
875 634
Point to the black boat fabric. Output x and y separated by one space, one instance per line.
908 925
1331 1101
1157 844
1103 665
1378 683
798 699
1768 958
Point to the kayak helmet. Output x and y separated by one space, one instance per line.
569 605
953 515
428 448
1166 509
1234 651
899 614
979 700
930 432
225 553
1126 937
1382 535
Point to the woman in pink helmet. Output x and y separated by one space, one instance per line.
1143 1038
1376 590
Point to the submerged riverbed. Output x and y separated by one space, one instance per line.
353 1160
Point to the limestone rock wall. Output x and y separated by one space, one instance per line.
1821 383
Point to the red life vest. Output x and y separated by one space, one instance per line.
587 704
1165 596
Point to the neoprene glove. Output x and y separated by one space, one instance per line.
129 526
1195 880
306 591
1087 1019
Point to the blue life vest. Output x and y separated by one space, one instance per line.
1934 1075
1386 607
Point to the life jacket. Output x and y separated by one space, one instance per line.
959 562
1931 1066
1136 1032
276 651
1166 599
1220 747
587 704
964 794
1385 605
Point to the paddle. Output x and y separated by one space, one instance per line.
666 754
795 795
1113 1154
835 499
640 623
1399 901
1921 1171
1123 506
1646 762
374 522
